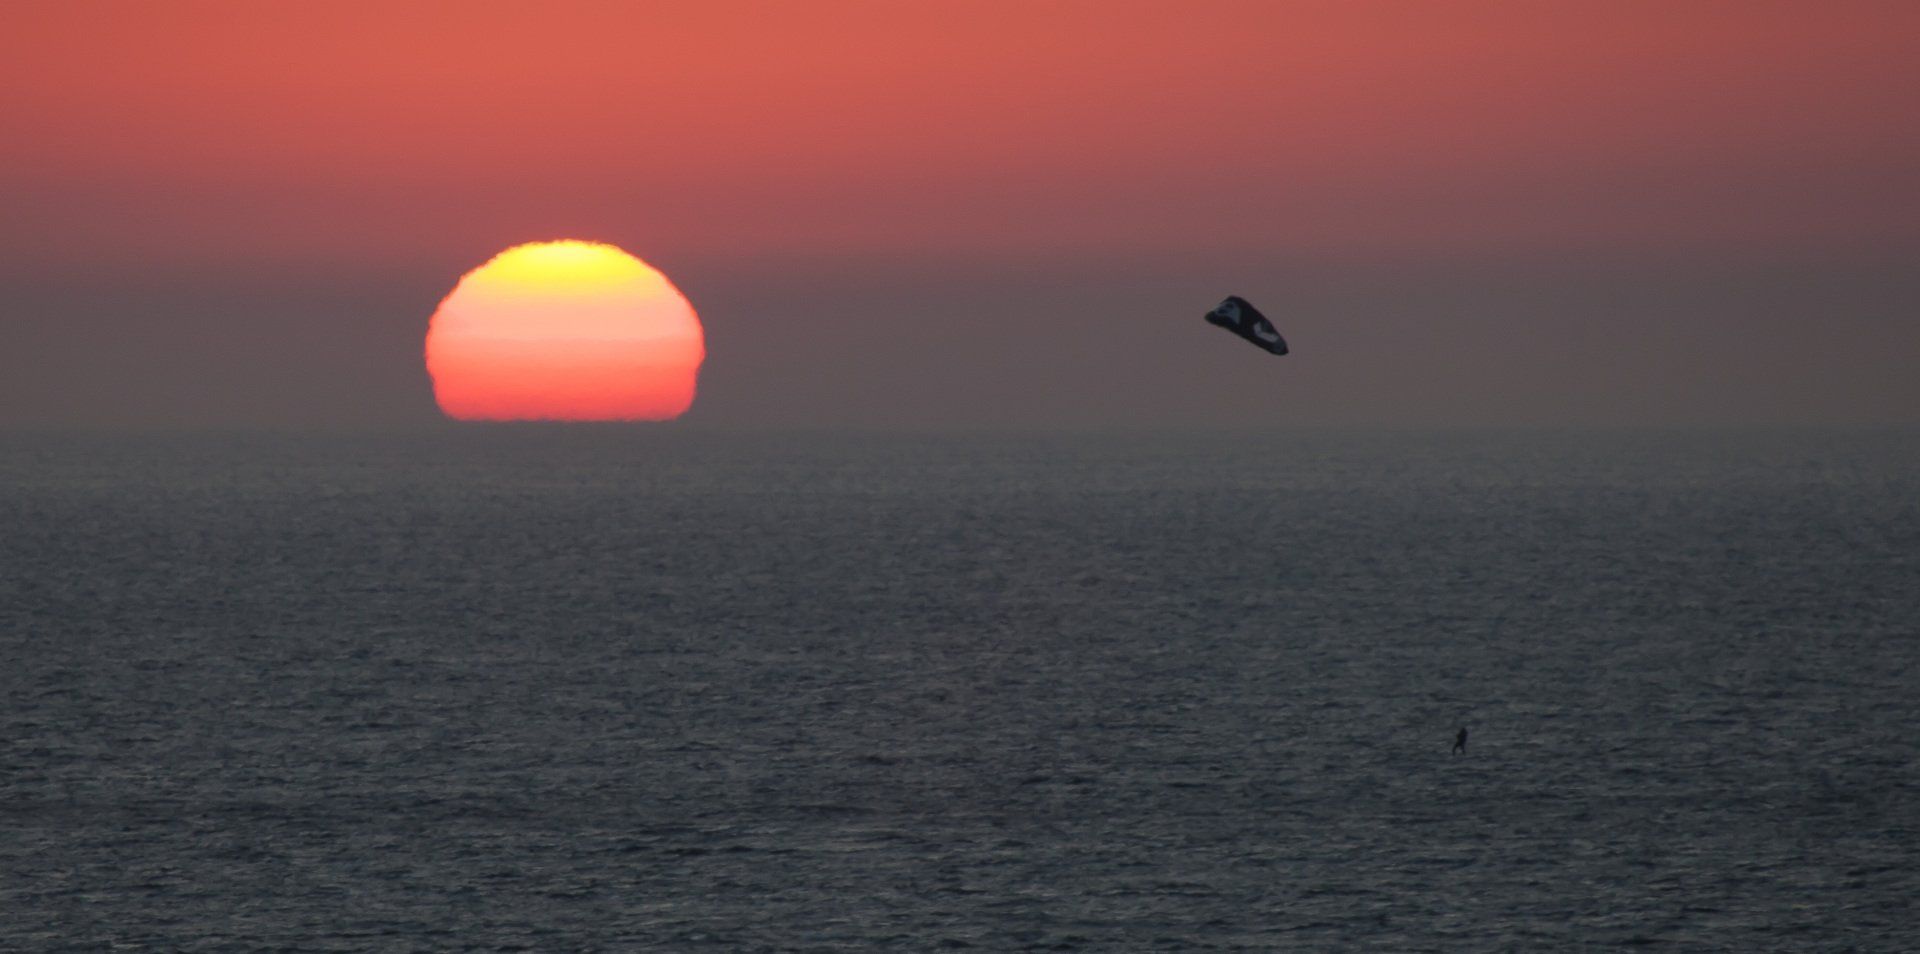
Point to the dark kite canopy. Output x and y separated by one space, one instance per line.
1238 315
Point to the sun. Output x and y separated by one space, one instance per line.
564 331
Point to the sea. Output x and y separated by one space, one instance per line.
589 688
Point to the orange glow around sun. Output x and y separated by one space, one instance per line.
564 331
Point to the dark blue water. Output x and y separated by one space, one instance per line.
575 689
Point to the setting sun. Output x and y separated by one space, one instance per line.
564 331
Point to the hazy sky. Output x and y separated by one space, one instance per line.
981 214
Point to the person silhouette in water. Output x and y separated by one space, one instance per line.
1460 742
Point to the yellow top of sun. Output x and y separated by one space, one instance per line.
565 265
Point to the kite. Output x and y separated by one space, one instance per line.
1238 315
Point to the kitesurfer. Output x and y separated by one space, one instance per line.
1460 742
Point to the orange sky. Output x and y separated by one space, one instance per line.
982 212
1408 128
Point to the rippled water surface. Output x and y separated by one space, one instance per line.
596 689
